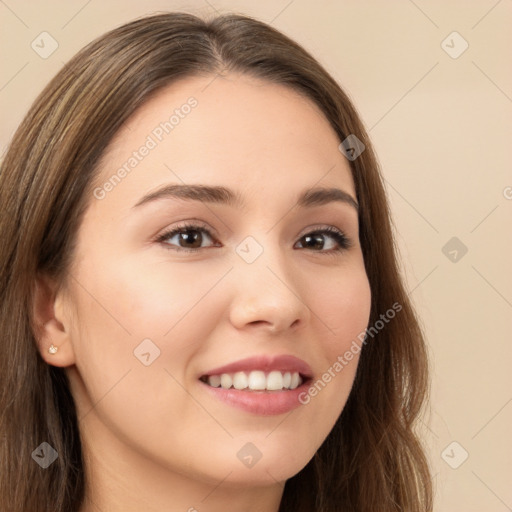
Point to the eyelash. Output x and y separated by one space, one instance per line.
342 240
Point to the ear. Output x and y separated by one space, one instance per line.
52 323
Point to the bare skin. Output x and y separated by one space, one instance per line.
154 437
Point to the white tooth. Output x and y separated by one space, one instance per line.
257 380
214 380
226 381
240 380
287 380
295 380
274 381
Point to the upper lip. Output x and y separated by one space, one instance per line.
283 363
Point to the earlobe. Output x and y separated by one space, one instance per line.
51 324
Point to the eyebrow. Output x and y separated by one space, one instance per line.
317 196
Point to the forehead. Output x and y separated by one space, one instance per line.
233 129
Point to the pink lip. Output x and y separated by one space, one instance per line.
263 403
283 363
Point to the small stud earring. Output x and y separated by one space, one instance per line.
53 349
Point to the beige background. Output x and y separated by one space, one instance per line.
442 128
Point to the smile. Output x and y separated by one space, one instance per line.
263 385
256 380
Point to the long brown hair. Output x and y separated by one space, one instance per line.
372 459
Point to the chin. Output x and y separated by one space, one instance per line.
263 475
272 466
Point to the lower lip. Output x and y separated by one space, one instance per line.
263 403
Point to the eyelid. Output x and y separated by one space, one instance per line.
191 224
342 239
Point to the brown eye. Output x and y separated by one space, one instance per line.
192 239
186 238
316 240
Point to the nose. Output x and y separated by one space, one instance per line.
267 296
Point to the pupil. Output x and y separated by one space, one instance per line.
315 239
192 238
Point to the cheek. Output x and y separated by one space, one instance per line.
137 333
131 320
342 304
149 301
150 324
343 307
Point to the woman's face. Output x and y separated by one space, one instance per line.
264 290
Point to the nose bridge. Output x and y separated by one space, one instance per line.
267 288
